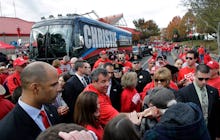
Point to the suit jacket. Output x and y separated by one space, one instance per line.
115 94
18 125
188 94
72 89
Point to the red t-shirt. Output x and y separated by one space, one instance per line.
215 82
13 81
186 73
201 50
207 58
98 131
127 105
107 111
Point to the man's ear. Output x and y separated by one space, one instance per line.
34 87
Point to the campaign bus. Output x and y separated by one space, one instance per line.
75 35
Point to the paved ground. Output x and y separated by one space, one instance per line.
171 57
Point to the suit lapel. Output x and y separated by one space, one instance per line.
26 120
194 95
53 117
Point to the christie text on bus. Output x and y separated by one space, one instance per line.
75 36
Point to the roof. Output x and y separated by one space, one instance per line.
9 25
133 31
111 19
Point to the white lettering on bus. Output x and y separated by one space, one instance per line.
98 38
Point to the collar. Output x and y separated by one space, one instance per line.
30 110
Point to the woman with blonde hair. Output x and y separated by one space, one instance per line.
56 63
161 78
130 98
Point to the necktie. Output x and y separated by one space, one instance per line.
204 104
44 119
84 82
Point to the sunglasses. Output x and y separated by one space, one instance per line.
190 58
116 71
161 80
201 79
135 62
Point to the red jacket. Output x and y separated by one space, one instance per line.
6 106
151 85
99 61
126 100
98 131
107 111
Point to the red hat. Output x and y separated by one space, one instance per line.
213 64
19 61
103 52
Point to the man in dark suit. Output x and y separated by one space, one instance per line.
115 88
205 96
39 88
74 86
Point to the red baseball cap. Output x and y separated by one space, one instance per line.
103 52
19 61
213 64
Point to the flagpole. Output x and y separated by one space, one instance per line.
14 8
1 8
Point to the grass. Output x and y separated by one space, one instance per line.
210 45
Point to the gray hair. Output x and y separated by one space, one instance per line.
161 97
97 72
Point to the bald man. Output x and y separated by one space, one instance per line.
39 82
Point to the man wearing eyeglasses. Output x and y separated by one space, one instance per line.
205 96
186 74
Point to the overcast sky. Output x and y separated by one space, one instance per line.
161 11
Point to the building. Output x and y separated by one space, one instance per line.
12 29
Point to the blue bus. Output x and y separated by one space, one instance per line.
75 35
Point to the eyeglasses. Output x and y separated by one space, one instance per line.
87 67
190 58
161 80
152 63
201 79
135 62
110 72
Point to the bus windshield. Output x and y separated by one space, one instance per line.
51 41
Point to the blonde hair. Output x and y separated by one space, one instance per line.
129 79
163 73
56 63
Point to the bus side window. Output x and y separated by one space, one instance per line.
81 40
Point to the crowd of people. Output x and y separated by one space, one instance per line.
114 99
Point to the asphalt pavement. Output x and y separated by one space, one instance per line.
170 58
